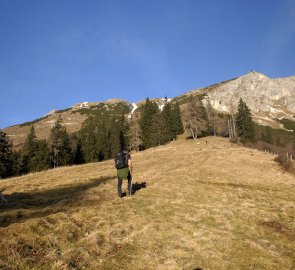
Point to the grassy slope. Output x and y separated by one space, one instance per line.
219 206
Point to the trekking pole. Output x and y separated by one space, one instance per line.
131 174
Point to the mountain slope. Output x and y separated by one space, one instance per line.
215 206
270 101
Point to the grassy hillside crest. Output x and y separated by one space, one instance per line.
205 206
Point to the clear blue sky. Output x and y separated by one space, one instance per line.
56 53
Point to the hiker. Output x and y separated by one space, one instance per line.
124 168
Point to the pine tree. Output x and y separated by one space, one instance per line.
34 154
245 125
167 126
78 153
42 156
115 137
28 152
177 121
118 135
88 137
124 127
150 124
6 156
60 148
103 142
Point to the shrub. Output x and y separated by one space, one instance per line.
286 162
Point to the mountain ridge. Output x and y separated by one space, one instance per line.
270 100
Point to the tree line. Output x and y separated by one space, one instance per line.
97 140
101 138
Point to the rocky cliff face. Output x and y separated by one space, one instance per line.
269 99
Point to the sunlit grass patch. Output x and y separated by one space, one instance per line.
219 206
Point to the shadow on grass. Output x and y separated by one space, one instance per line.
235 185
24 206
135 187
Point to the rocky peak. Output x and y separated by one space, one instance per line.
268 99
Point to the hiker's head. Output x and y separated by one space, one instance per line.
125 151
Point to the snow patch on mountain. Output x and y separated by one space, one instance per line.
83 104
134 107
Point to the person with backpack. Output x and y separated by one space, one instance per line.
123 165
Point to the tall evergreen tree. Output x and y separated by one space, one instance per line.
177 121
149 124
29 147
6 156
78 157
115 137
124 127
60 148
28 152
42 156
118 135
245 125
88 137
103 142
168 132
34 154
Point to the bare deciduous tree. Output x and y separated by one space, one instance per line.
196 119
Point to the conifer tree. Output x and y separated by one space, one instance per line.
60 148
42 156
115 137
177 122
6 156
78 157
118 135
34 154
149 124
168 128
124 127
28 152
103 142
88 137
245 125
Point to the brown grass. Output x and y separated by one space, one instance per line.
219 206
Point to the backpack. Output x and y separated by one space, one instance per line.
121 161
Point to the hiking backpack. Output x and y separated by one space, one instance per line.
121 161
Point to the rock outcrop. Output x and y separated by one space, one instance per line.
269 99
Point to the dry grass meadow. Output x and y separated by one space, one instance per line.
215 206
